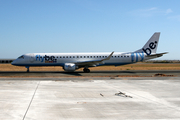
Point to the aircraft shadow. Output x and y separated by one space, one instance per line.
48 73
81 73
62 72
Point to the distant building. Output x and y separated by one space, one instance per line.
4 61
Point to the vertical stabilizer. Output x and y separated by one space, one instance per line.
152 44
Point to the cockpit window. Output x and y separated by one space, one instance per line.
21 57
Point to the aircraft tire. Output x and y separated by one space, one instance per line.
86 70
27 70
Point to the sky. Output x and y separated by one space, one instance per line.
69 26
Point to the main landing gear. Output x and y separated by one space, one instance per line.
86 70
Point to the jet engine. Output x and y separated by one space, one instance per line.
70 67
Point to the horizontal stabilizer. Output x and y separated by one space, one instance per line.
157 55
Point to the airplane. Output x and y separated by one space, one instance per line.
73 61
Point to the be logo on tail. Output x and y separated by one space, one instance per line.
148 49
152 46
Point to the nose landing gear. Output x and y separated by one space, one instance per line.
27 68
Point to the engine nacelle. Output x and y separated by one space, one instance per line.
70 67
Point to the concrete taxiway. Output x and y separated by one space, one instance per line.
89 99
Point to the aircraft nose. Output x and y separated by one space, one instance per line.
14 62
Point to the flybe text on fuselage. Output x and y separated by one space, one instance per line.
47 59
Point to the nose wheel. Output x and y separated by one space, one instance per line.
27 68
86 70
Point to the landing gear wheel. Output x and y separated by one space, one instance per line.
27 68
86 70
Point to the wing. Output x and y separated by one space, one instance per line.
93 62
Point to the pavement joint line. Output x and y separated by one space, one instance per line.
31 100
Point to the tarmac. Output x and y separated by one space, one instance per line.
121 73
97 98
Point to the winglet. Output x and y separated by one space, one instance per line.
108 56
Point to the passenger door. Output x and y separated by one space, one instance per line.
32 58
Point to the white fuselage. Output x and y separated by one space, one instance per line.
59 59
